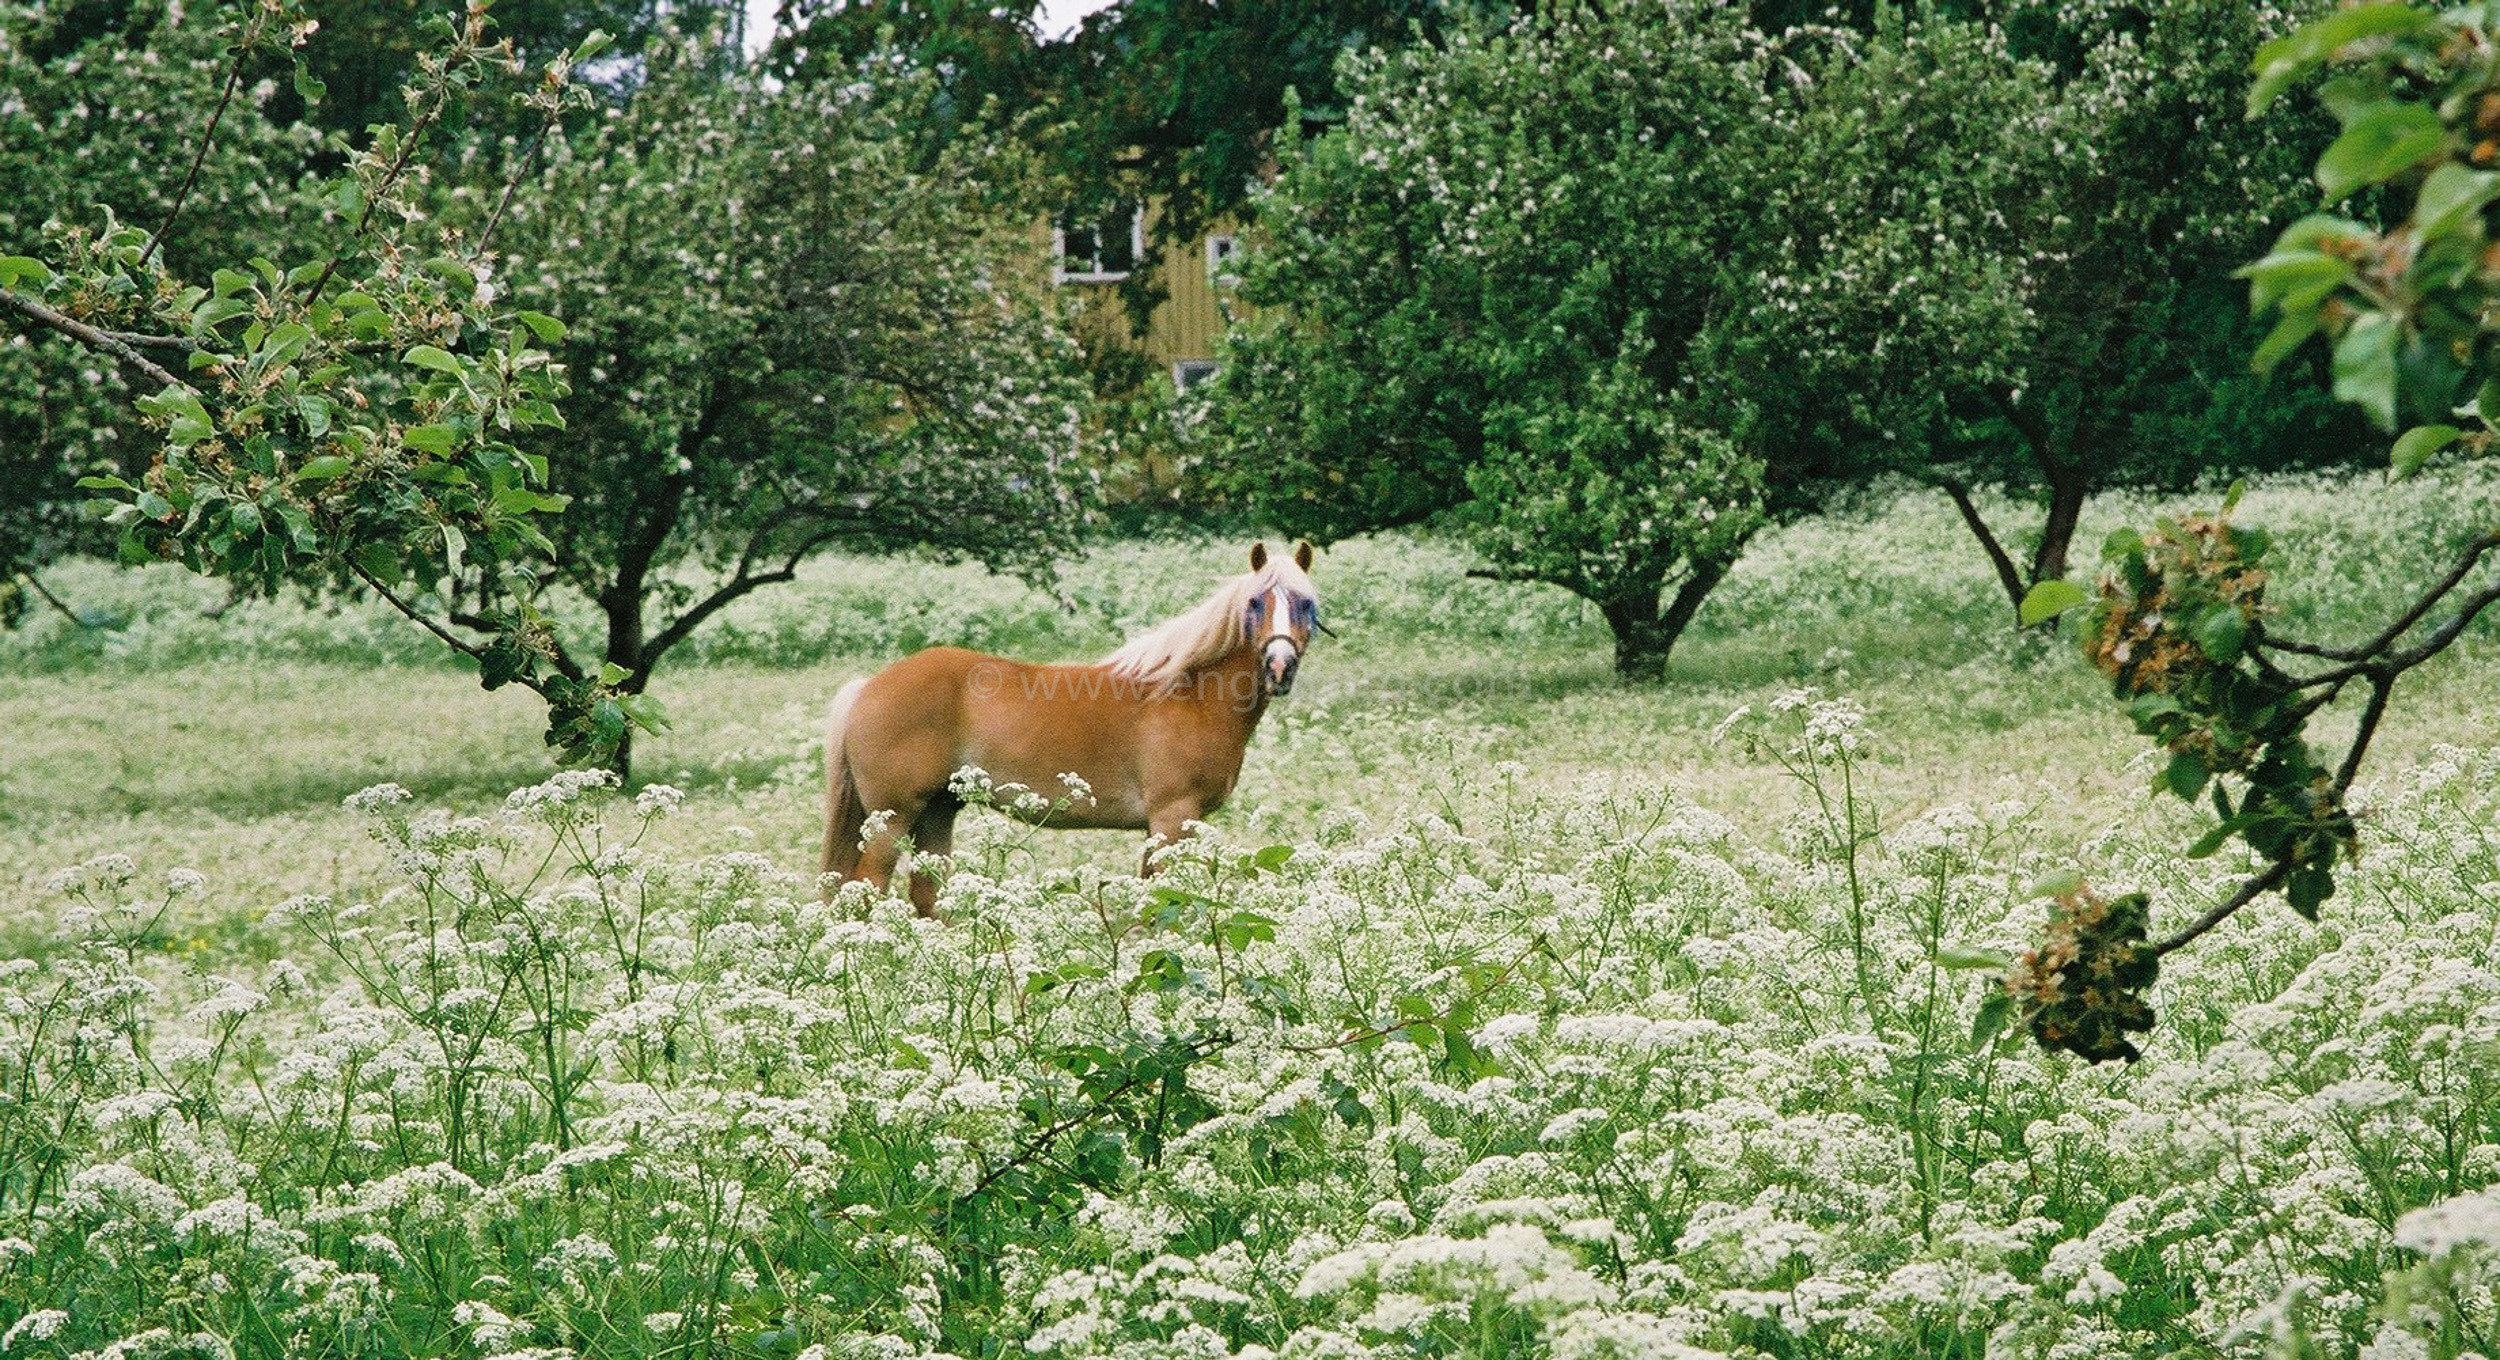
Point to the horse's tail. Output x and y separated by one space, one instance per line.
844 818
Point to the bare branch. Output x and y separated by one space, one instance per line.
87 335
2369 651
2248 892
451 640
44 594
529 158
743 582
208 138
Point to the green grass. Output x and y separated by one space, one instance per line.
194 737
1569 1026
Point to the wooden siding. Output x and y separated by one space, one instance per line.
1186 324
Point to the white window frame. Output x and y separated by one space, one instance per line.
1059 271
1218 259
1183 368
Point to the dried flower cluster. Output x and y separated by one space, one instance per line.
2082 989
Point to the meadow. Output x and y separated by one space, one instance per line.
1507 1011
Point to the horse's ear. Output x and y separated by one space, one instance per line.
1302 554
1258 556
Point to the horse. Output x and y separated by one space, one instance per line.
1155 731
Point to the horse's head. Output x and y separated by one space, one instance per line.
1281 616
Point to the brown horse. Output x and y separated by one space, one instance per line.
1156 729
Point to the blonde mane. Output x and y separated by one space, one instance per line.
1207 632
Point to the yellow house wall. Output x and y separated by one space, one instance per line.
1189 320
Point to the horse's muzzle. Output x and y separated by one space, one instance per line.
1282 660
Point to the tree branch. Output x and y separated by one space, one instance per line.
45 595
2248 892
2382 670
234 78
2008 575
456 643
744 582
90 336
2388 636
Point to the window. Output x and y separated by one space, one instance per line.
1188 373
1224 259
1098 249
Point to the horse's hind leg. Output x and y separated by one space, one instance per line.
932 833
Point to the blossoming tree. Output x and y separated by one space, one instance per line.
1470 324
2180 622
2136 186
800 325
94 113
794 323
1609 289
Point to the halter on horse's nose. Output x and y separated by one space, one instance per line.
1282 658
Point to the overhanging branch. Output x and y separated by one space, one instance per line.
92 337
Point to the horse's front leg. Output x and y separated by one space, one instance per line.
1169 823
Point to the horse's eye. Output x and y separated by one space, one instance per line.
1258 608
1306 612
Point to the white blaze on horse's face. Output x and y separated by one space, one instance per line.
1277 619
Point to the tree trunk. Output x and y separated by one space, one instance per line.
1645 636
2067 469
1642 641
622 603
2067 489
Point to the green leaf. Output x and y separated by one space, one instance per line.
1994 1011
105 484
284 342
1971 956
308 86
2380 143
611 675
2451 197
2286 59
2365 367
501 662
231 281
2287 335
455 548
2415 446
452 270
645 711
2186 775
2049 599
2287 271
15 267
2309 887
321 469
2216 838
435 439
2058 884
439 360
2220 634
545 327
